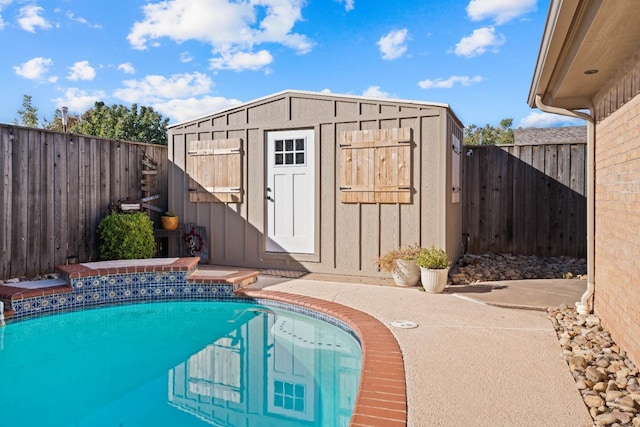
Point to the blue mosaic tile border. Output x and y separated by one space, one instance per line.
121 289
131 288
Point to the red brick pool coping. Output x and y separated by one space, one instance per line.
382 395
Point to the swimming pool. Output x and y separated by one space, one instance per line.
178 364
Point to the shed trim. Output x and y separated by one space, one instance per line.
290 92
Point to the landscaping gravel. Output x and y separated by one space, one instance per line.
472 268
607 379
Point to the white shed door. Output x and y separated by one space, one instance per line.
290 191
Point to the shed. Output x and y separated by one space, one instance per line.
319 182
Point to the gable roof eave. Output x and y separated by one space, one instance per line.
314 94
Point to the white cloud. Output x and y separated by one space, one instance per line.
479 42
34 69
501 11
348 4
242 61
81 70
81 20
545 120
2 4
127 68
155 88
326 90
186 57
393 45
29 19
230 27
78 100
449 83
185 109
375 92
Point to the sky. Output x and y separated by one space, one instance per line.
189 58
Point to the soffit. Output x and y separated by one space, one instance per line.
585 35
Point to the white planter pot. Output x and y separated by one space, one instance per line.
434 281
406 273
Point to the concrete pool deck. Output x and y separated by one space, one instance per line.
468 362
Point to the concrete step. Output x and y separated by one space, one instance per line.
211 274
28 289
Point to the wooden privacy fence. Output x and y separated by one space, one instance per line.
525 199
54 189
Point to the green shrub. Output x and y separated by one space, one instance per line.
432 258
126 236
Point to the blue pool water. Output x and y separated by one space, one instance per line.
177 364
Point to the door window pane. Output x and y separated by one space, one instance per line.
290 151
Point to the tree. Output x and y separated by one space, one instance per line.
73 122
489 135
28 114
114 122
120 122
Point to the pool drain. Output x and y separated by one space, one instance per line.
404 324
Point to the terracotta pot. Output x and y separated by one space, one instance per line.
406 273
169 222
434 281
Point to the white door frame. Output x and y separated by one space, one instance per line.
290 223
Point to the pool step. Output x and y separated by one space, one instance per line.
9 293
207 274
19 296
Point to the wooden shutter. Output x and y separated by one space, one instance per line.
214 168
375 166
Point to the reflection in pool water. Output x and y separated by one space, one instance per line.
184 364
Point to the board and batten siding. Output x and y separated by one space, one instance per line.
349 236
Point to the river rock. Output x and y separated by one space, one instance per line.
593 401
605 419
622 417
593 374
577 363
612 395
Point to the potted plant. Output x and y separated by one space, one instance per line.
434 269
169 221
401 263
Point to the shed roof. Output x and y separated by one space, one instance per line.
584 44
318 95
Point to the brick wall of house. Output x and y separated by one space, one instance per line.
617 237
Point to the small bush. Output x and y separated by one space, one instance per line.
432 258
126 236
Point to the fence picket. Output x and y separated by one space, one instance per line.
55 188
528 200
